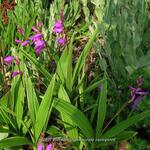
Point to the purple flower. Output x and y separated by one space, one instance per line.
39 45
18 41
8 59
58 24
58 27
61 41
39 24
49 147
35 30
25 43
36 37
15 73
40 146
137 93
136 102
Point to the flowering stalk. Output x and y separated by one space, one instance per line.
136 96
3 70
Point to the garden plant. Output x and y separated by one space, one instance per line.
74 74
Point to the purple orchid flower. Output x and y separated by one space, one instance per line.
40 146
61 41
36 37
137 94
49 147
25 43
35 29
15 73
58 27
8 59
39 45
18 41
36 40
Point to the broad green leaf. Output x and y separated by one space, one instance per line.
19 99
68 122
69 65
14 141
62 66
125 135
44 109
102 98
76 115
32 100
3 135
125 124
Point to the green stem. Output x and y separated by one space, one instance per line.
118 112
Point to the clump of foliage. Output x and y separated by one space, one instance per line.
74 74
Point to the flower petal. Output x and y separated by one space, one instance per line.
8 59
25 43
15 73
40 146
49 147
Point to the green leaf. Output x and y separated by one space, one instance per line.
19 99
68 122
125 124
75 115
125 135
83 55
101 108
44 109
69 66
14 141
33 103
62 66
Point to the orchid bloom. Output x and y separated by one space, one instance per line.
49 147
58 27
137 93
15 73
8 59
39 44
40 146
61 41
23 43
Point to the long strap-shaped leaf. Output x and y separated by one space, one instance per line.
44 109
125 124
32 100
76 116
68 122
101 109
14 141
83 55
